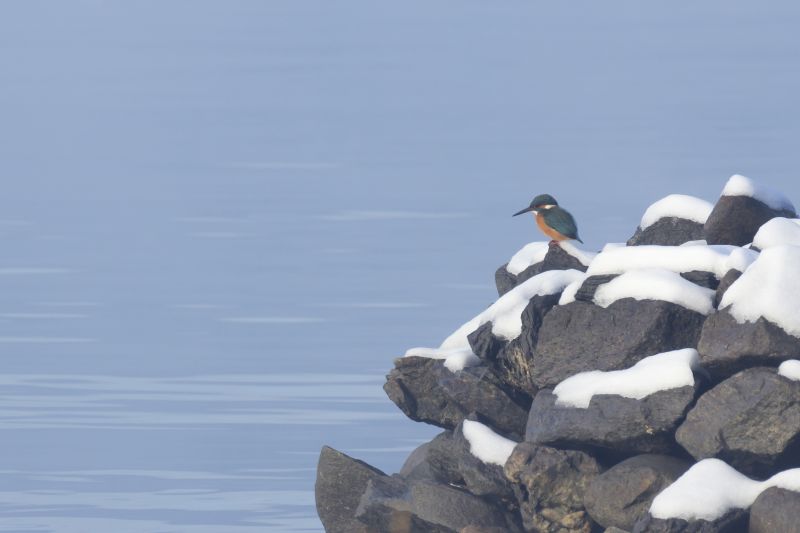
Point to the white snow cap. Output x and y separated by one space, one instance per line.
777 232
487 445
739 185
711 488
534 253
769 288
656 284
790 369
678 206
505 315
568 296
668 370
717 259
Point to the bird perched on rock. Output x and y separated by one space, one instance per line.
554 221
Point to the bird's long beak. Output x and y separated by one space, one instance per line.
526 210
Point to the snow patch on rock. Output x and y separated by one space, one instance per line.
778 232
568 295
715 259
656 284
677 206
529 255
790 369
487 445
739 185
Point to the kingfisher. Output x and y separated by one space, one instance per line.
552 220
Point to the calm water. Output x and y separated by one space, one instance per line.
220 221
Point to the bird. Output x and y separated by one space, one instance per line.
553 220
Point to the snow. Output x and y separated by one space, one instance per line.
533 253
568 296
739 185
581 255
777 232
656 284
790 369
487 445
769 288
455 359
717 259
668 370
711 488
678 206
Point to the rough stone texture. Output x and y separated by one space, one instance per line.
550 486
702 278
579 336
732 522
556 259
668 231
622 495
392 504
611 423
725 284
427 463
504 280
736 219
585 292
751 421
512 362
341 480
428 392
615 530
775 510
727 346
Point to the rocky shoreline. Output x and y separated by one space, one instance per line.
651 387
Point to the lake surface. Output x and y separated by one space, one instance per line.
221 221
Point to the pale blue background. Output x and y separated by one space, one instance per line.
221 220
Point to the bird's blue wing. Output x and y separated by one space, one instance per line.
561 221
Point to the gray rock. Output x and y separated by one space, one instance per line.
668 231
732 522
392 504
736 219
702 278
615 530
504 280
579 336
428 392
727 346
556 259
725 284
621 496
423 462
775 510
341 480
550 487
611 423
588 288
751 421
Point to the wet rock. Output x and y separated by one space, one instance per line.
726 346
732 522
611 423
550 487
668 231
751 421
579 336
341 480
622 495
428 392
775 510
556 259
736 219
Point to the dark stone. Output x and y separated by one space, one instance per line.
423 463
585 292
556 259
426 391
579 336
727 346
775 510
504 280
736 219
668 231
550 486
704 279
393 504
622 495
751 421
341 480
611 423
724 284
732 522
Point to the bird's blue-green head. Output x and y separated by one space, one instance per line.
540 202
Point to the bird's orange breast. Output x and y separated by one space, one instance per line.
547 230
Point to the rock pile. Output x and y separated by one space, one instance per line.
652 387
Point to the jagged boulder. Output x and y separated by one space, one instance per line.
736 219
556 258
580 336
668 231
550 487
724 284
621 496
732 522
751 421
775 510
426 391
341 480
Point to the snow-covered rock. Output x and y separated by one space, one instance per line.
790 369
487 445
673 220
739 185
656 284
538 257
778 232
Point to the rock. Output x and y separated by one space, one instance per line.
732 522
622 495
726 346
485 529
425 462
550 487
704 279
736 219
775 510
504 280
579 336
724 284
341 480
392 504
585 292
611 423
751 421
556 259
615 530
428 392
668 231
